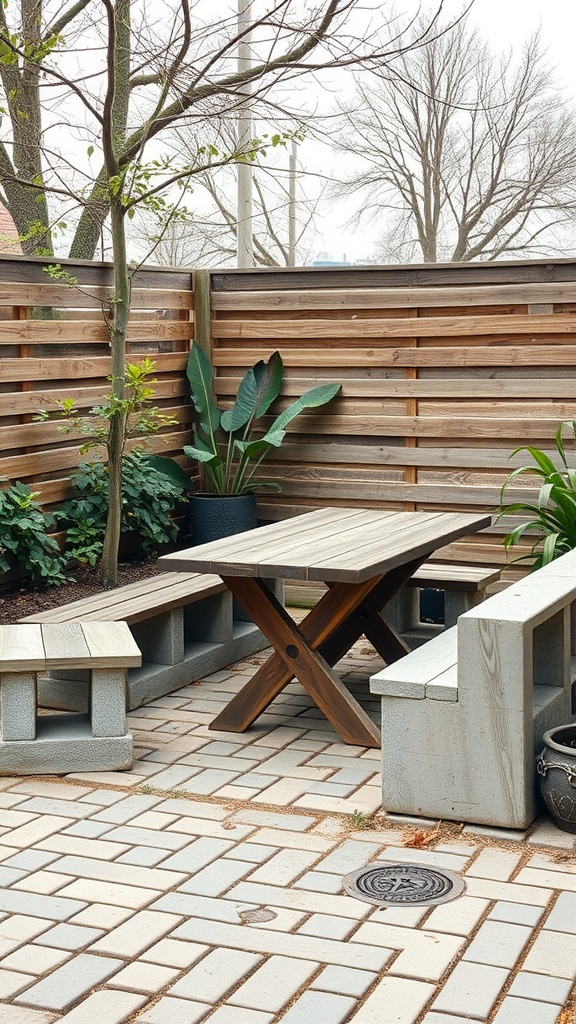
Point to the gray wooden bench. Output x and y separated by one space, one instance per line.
57 744
463 716
182 622
464 587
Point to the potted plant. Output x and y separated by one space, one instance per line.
553 518
230 444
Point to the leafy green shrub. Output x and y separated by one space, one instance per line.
553 516
148 501
24 540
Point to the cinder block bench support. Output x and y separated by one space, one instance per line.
463 716
464 587
182 622
57 744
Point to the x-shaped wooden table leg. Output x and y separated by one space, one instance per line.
310 649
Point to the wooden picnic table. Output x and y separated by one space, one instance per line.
364 556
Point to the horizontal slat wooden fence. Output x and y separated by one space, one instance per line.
444 371
54 344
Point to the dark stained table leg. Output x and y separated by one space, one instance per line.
297 655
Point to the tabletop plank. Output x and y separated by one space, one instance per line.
242 551
330 545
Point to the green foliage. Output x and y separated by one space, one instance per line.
224 439
553 516
148 501
360 820
140 417
24 541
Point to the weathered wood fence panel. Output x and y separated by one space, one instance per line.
54 344
444 371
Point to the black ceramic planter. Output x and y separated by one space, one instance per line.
556 766
213 516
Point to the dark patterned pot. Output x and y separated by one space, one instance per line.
213 516
556 766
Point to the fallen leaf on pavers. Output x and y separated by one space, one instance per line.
228 825
420 838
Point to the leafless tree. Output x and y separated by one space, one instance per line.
462 155
206 235
107 79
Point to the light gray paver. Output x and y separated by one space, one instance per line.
56 908
10 1014
327 927
68 936
264 940
394 1000
553 953
313 1007
274 984
215 975
320 881
524 1011
112 1007
498 943
562 917
516 913
173 1011
230 1015
471 990
216 878
459 917
71 981
539 986
344 981
136 934
144 977
284 866
174 953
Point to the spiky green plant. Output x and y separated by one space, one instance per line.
553 516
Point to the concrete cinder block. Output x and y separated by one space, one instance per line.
161 638
108 702
18 705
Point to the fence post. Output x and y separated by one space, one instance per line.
202 311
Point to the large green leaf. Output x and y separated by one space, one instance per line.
258 389
309 400
275 435
201 455
201 376
171 470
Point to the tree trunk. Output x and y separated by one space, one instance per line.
117 435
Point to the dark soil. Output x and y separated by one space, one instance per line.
19 599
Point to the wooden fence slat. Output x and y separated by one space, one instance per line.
75 368
481 355
410 298
355 327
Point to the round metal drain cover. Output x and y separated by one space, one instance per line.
403 885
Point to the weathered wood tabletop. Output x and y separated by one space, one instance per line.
364 556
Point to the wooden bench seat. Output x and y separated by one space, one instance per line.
57 744
184 623
464 587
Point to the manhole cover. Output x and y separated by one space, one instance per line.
406 885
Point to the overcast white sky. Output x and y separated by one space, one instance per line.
506 24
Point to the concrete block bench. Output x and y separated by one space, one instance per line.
464 587
56 744
182 622
463 716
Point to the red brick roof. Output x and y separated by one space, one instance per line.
8 233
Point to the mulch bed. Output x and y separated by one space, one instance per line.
18 599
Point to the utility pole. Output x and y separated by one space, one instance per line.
292 205
245 247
